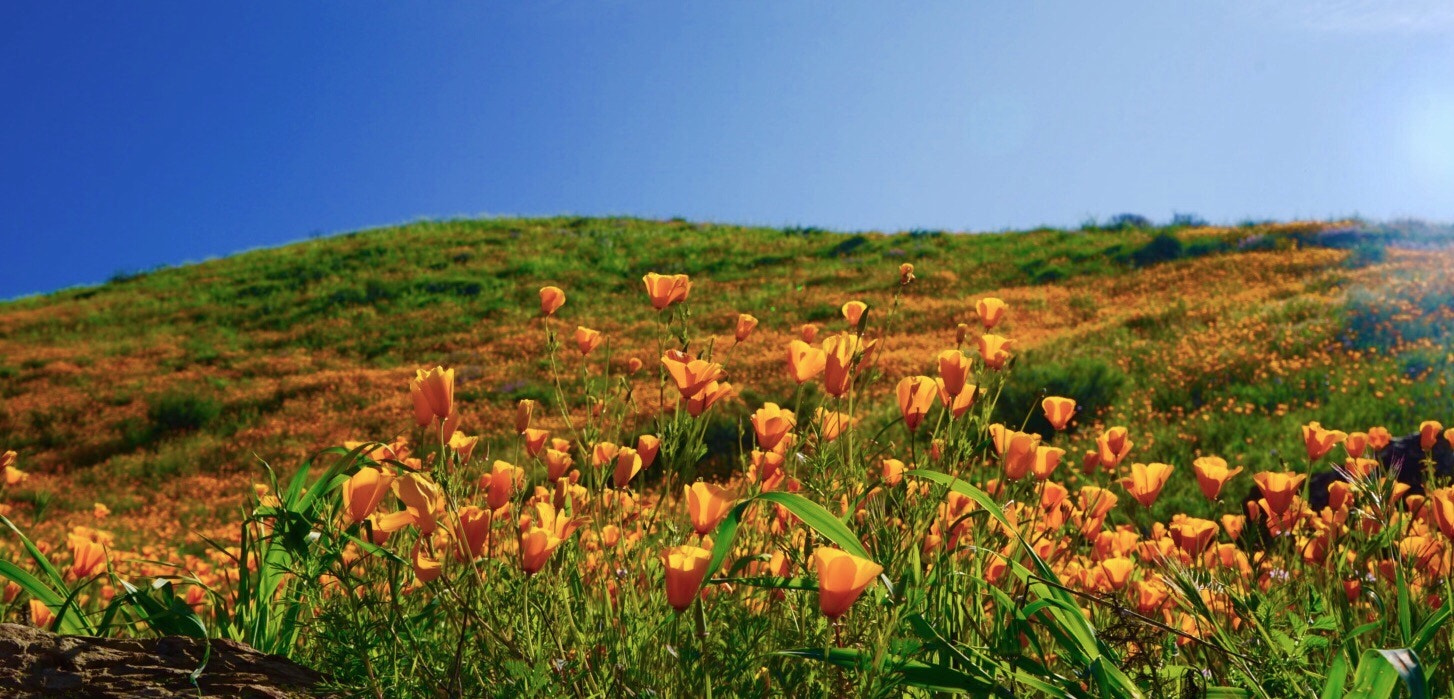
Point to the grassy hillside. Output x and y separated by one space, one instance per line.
156 393
874 543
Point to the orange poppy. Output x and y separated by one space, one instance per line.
1320 441
991 311
1212 474
954 370
995 350
686 567
666 289
363 492
916 396
1058 411
1146 481
842 578
587 340
745 324
771 424
551 299
691 374
707 504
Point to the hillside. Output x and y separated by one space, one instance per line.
157 393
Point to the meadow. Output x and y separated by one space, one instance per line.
610 457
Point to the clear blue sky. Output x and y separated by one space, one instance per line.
139 134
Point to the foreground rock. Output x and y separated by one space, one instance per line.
34 663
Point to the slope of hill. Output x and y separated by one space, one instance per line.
156 394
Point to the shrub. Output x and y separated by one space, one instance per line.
182 411
1123 222
1165 247
1093 383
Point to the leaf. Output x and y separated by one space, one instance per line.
810 512
1430 627
1380 670
769 582
821 520
1337 678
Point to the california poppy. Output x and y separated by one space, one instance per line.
906 274
1194 535
88 556
557 463
1212 474
805 361
1146 481
853 312
647 445
832 423
423 500
436 387
960 404
708 396
686 566
665 289
473 531
1429 434
991 311
1114 446
771 424
954 371
1379 437
1046 461
916 396
524 411
842 578
1116 570
603 453
1355 444
1320 441
892 471
587 340
691 374
1058 411
628 464
841 352
551 299
995 350
1279 489
363 492
499 483
745 324
707 504
534 440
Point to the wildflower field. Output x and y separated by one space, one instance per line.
615 457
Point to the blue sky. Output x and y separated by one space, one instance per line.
134 135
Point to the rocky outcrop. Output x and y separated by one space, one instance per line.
34 663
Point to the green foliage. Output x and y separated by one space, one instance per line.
1093 383
182 411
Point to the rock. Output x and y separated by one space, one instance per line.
34 663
